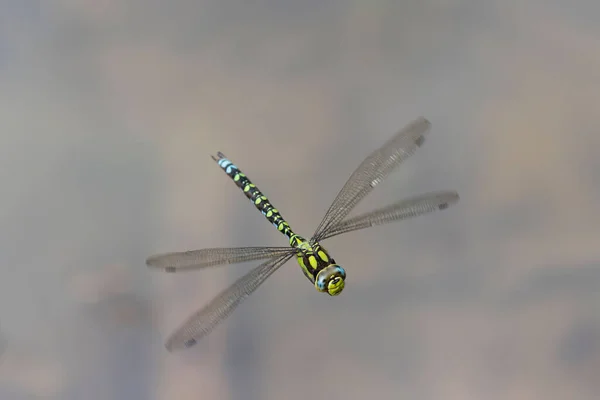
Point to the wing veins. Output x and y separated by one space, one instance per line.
373 171
198 259
203 321
403 209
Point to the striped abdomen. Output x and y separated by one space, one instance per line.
257 198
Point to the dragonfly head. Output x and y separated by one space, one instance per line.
331 280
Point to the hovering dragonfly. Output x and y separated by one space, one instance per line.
315 261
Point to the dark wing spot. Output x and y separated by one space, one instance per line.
443 206
190 342
420 140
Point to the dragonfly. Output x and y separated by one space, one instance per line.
315 261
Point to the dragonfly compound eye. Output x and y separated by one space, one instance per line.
331 280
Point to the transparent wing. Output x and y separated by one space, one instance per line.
197 259
206 319
404 209
373 171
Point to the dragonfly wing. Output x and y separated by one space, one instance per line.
206 319
373 171
403 209
197 259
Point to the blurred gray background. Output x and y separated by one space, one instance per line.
110 109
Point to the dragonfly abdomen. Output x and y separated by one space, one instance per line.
260 201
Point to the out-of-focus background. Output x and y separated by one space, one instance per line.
110 109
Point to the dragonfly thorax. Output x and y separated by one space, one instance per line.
318 266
